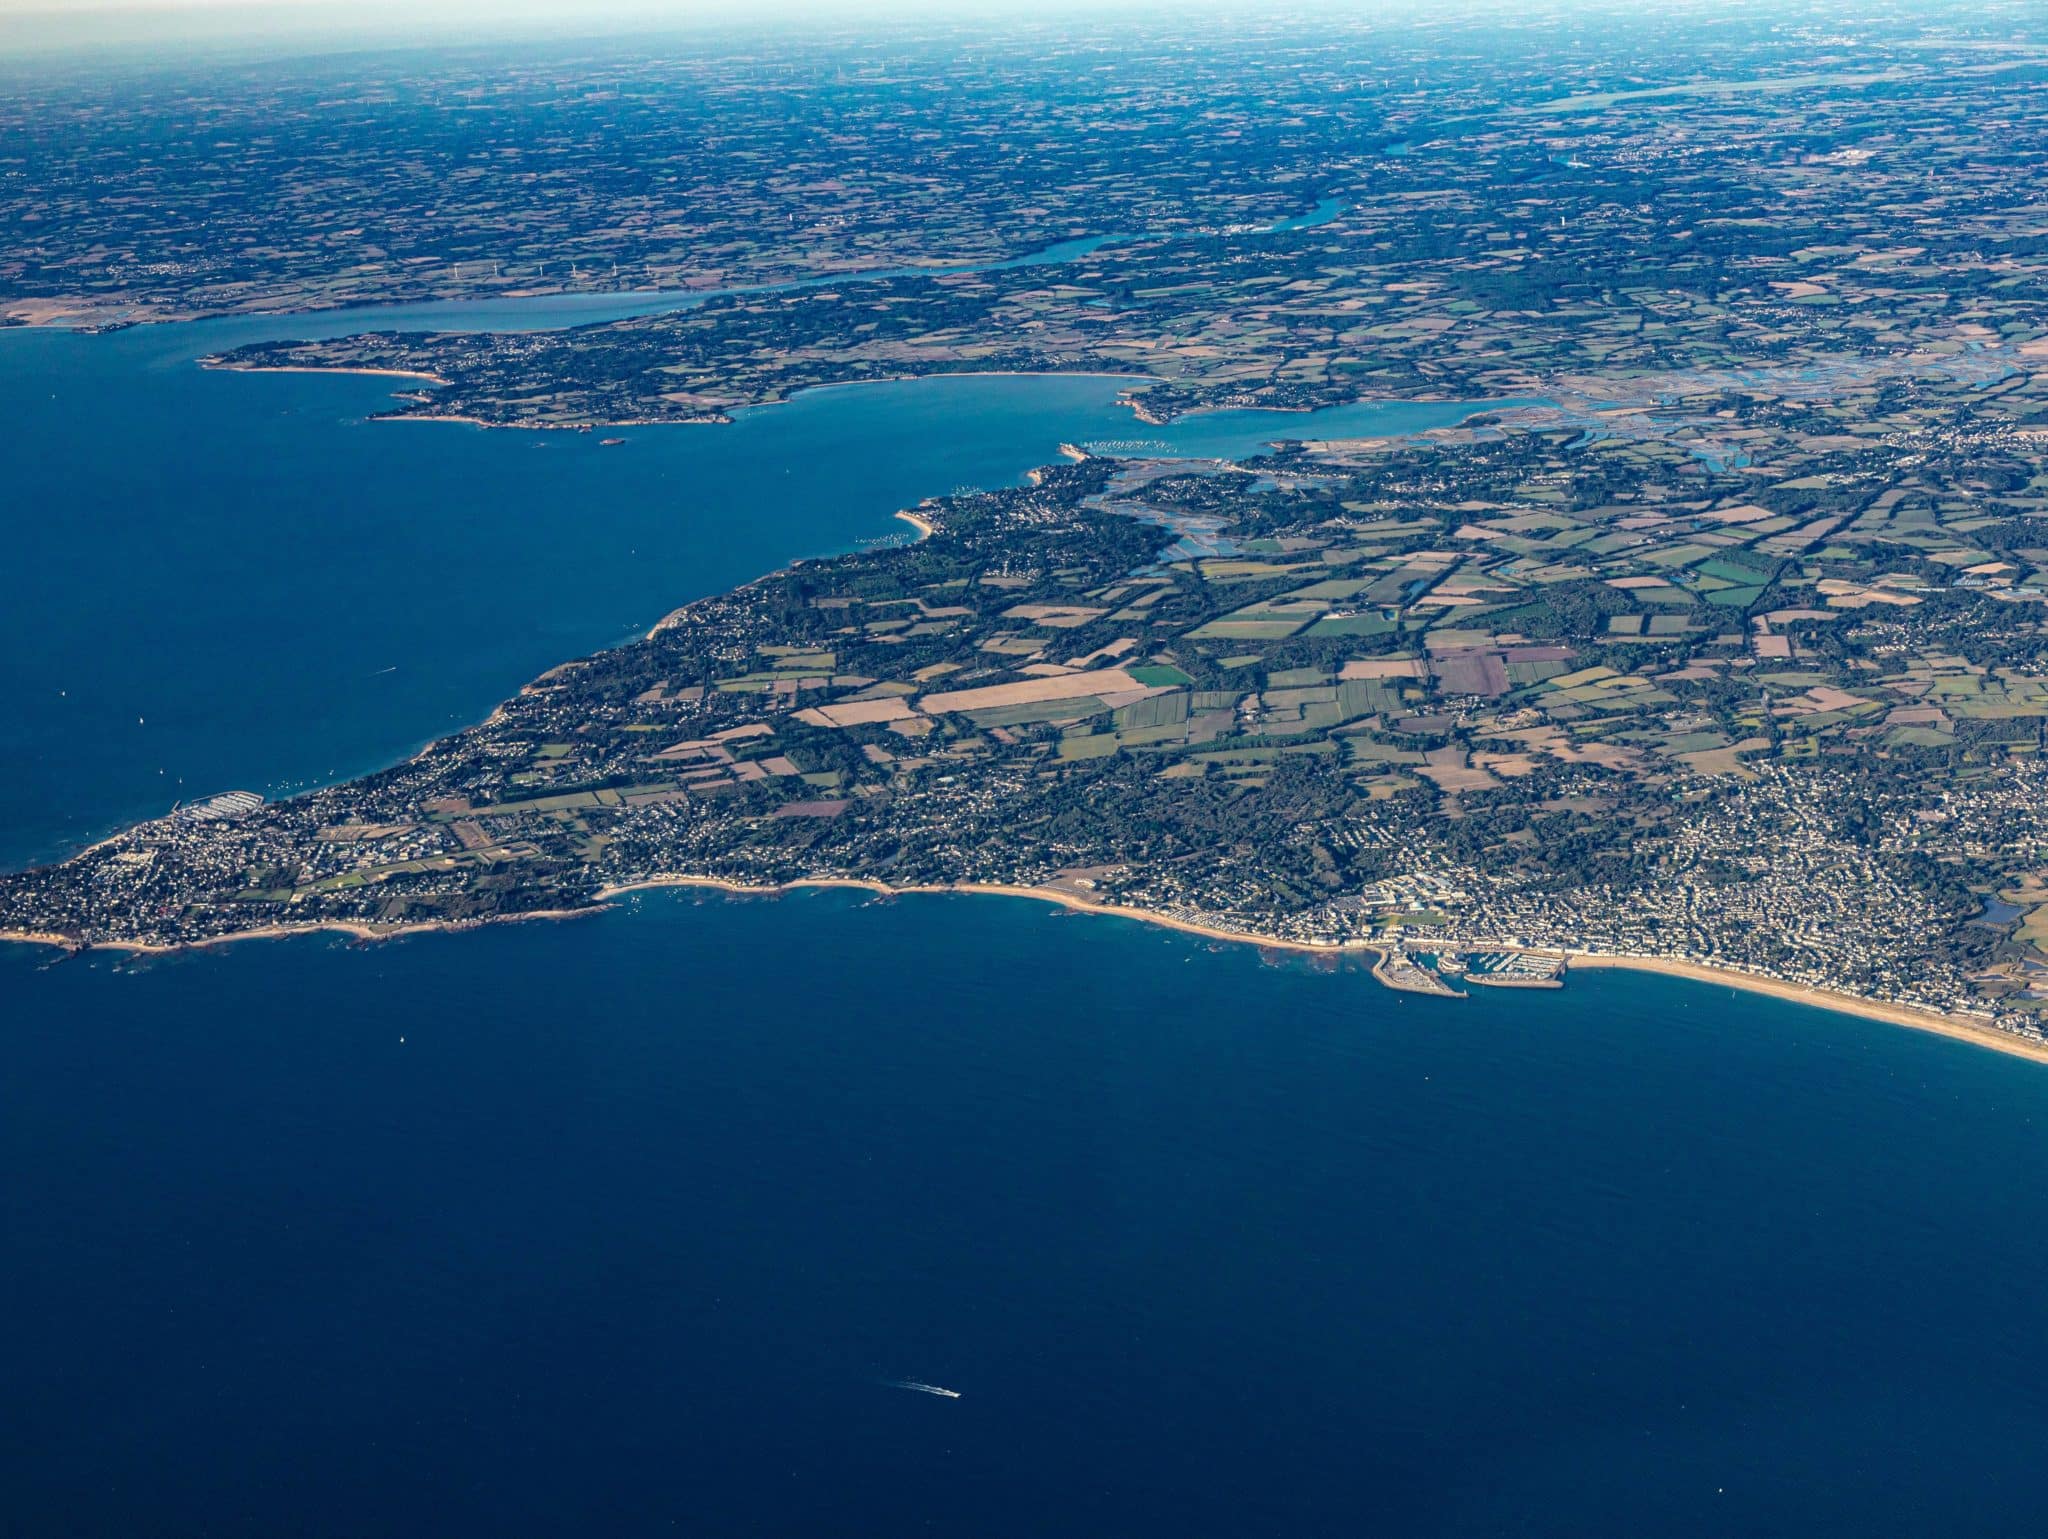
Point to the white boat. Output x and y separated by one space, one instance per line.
924 1389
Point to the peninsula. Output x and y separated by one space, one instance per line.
1716 641
1478 694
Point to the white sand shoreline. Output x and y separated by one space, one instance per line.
1824 999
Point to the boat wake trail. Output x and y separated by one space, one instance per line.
922 1388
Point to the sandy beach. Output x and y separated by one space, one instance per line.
357 929
594 426
291 368
1066 900
1824 999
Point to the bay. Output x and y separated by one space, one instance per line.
224 580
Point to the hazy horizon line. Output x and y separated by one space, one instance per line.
46 27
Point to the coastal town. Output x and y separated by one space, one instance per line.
1710 636
1482 699
992 771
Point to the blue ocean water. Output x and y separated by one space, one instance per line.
625 1225
221 580
227 579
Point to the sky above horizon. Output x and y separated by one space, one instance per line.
30 26
33 25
